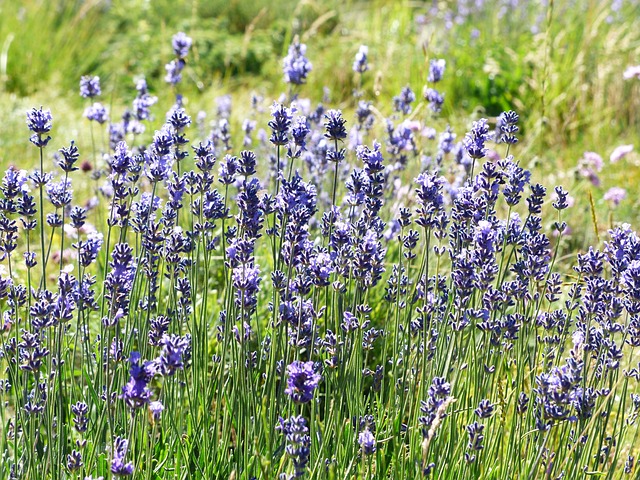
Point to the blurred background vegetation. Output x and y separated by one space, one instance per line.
559 64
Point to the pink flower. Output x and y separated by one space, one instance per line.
620 152
631 72
615 195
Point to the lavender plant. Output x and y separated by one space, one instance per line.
402 313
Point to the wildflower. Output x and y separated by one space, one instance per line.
156 409
296 66
615 195
360 64
176 350
435 99
89 86
433 410
247 163
181 44
523 403
335 125
299 131
143 101
620 152
174 71
136 392
402 103
436 70
485 409
476 439
69 158
367 441
296 434
475 139
280 124
302 381
74 461
562 199
39 122
97 113
119 466
80 411
506 127
589 165
119 280
632 72
59 193
246 281
179 119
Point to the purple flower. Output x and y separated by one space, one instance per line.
280 124
143 101
302 381
615 195
80 411
60 193
121 160
223 106
402 103
39 122
367 441
485 409
69 158
296 434
436 70
97 113
181 44
178 119
136 392
14 183
506 128
335 125
246 282
174 71
89 86
476 440
562 198
589 165
119 467
156 409
74 461
439 396
299 132
119 280
475 139
88 249
296 66
175 352
360 64
620 152
435 99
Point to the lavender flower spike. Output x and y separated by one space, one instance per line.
302 381
296 66
39 122
90 86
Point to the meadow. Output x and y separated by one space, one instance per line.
300 239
